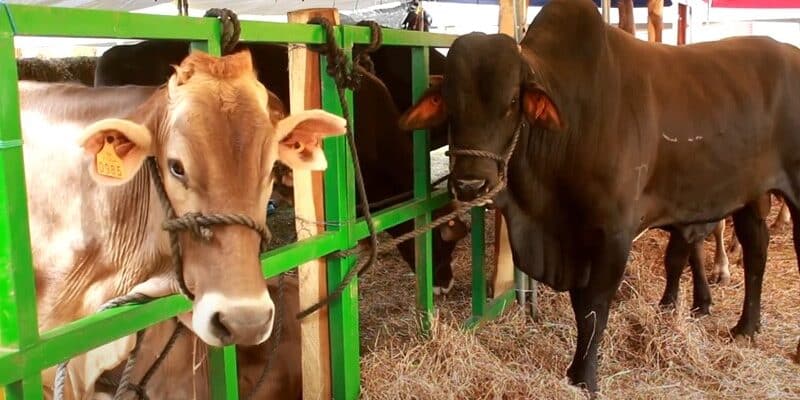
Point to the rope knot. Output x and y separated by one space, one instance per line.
193 222
345 74
231 29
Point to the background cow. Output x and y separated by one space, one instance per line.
184 371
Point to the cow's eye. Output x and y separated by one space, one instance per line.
513 101
176 168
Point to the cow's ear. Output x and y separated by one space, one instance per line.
300 138
118 147
540 109
429 110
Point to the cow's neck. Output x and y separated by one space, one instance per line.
139 243
124 242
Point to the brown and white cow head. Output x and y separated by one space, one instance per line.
215 140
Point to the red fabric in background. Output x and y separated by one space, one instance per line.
755 3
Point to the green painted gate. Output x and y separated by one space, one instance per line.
24 353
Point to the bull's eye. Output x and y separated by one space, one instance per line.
513 101
176 169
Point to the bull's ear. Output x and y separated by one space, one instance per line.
300 138
429 111
540 109
119 148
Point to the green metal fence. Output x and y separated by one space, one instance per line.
24 353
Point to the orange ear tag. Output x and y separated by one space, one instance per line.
108 162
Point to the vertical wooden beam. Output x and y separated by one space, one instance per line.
305 93
505 23
605 10
655 20
522 18
503 279
682 23
626 20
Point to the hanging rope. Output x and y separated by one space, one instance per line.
61 370
350 78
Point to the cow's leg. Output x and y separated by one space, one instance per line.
722 271
735 246
751 228
784 217
701 293
675 258
442 271
591 305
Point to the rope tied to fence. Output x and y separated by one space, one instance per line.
337 68
231 28
348 76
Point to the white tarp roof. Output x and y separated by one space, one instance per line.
256 7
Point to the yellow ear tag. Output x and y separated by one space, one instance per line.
108 162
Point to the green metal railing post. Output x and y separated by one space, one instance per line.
422 190
478 216
18 321
340 209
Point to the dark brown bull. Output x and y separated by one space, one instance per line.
608 149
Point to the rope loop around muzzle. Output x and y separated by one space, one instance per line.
501 159
199 225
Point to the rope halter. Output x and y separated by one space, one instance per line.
198 224
502 160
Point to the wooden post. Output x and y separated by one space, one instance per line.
682 23
505 23
655 20
605 9
626 22
305 93
503 278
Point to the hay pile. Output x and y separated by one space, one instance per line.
646 353
68 69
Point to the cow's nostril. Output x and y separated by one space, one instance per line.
470 185
219 329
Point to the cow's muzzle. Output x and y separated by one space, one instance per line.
470 185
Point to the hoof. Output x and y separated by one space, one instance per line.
700 311
440 290
745 332
720 279
667 304
797 354
778 225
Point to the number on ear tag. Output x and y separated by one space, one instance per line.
108 162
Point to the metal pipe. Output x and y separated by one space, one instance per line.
607 11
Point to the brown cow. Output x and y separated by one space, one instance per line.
605 150
184 371
96 236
